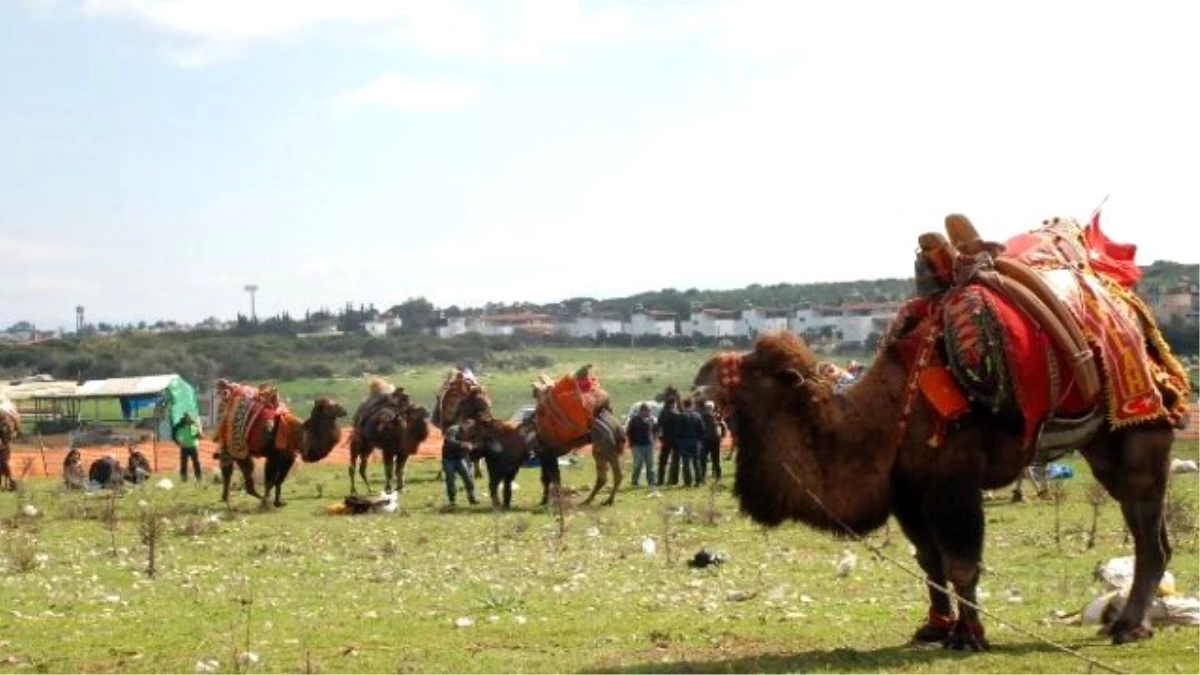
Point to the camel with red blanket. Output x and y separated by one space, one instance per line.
1010 354
254 423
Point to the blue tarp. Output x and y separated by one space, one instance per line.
132 405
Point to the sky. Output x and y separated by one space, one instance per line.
158 155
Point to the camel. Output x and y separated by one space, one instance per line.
506 446
397 428
312 439
10 427
461 397
905 440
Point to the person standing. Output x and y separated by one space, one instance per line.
187 436
640 431
668 431
456 450
710 451
689 439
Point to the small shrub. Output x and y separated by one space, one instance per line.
21 552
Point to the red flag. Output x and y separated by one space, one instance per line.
1109 258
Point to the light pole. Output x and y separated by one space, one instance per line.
252 289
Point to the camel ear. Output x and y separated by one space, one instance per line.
790 378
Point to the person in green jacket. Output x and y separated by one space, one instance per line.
187 435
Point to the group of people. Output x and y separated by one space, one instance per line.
689 437
107 471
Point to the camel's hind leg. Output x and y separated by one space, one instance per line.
618 476
601 475
1134 467
389 469
910 514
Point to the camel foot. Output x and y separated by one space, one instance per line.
932 632
1017 496
1122 631
966 634
607 502
280 503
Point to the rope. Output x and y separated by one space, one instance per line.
945 589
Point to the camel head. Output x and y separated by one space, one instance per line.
779 368
322 432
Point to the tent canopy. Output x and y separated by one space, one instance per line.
137 393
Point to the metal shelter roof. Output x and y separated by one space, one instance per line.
115 387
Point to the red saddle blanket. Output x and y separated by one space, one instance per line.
1003 359
245 419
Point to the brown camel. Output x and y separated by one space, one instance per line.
397 428
460 398
10 427
313 440
506 446
839 461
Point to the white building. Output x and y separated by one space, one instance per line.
515 324
591 324
650 322
451 326
716 323
758 320
379 327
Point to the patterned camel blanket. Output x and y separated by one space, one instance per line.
246 414
1001 358
565 408
460 384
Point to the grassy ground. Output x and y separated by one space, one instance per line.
309 592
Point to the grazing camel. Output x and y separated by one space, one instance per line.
252 425
894 444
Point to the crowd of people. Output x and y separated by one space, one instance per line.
689 439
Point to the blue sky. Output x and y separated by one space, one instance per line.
157 155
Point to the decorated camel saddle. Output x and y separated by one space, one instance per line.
10 419
385 402
1044 330
249 418
567 409
460 396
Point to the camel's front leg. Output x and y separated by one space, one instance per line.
226 478
401 462
362 471
911 516
389 460
247 468
954 511
601 476
350 471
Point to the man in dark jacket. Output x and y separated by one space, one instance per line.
456 450
690 436
714 431
668 431
640 432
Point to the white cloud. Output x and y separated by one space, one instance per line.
408 95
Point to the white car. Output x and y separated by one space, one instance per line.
655 409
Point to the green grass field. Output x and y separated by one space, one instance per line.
309 592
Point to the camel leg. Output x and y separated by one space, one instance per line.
551 476
617 478
350 471
226 478
954 511
478 471
912 521
1134 467
247 468
401 462
509 476
389 468
279 465
601 475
